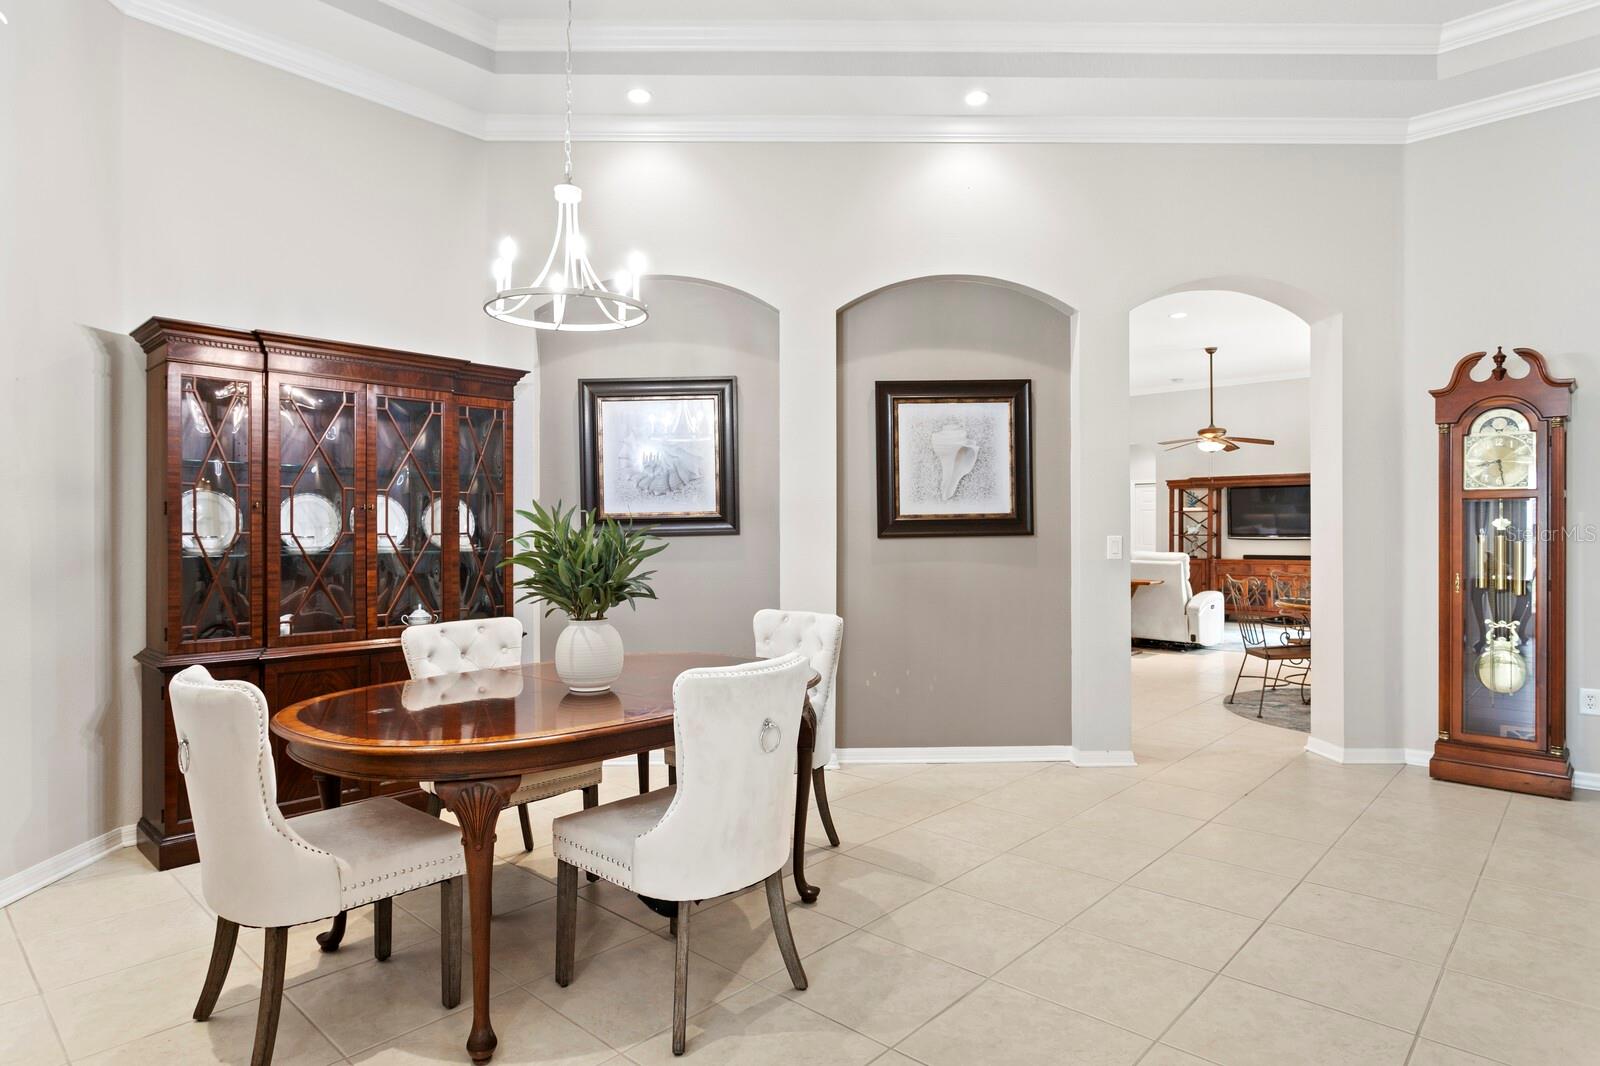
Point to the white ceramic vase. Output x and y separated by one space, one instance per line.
589 655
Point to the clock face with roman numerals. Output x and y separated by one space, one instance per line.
1499 452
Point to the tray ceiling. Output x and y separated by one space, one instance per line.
1266 71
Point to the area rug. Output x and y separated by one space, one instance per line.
1283 707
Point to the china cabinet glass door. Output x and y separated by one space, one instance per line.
1500 681
409 508
216 501
314 461
482 472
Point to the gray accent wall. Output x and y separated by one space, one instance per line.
954 641
708 586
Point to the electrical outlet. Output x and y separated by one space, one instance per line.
1114 546
1589 701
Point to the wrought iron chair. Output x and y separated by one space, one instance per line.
1273 654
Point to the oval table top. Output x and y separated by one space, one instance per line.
510 715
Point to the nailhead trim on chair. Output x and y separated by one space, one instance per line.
575 846
274 819
456 862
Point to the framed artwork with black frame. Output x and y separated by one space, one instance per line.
955 458
662 452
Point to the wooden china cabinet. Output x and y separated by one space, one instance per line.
305 498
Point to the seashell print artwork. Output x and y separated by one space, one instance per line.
954 458
957 456
659 456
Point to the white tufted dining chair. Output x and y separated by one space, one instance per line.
487 644
724 826
261 870
820 638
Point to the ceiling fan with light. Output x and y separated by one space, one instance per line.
1212 438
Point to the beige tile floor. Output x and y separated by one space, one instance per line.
1230 900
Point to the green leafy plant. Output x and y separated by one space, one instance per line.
581 568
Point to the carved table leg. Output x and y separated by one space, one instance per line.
802 800
331 789
477 806
644 772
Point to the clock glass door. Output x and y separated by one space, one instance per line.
1499 614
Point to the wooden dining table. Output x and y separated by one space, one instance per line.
475 734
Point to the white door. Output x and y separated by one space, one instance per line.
1144 516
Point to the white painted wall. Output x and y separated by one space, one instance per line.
69 727
242 195
1503 248
1277 410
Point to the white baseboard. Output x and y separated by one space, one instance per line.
1019 753
56 867
1581 779
1365 756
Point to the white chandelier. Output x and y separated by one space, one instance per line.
568 295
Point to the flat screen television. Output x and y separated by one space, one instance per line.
1269 512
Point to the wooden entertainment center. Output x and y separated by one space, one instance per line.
1194 527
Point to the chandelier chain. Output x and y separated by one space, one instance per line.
568 137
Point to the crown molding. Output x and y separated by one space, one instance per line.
1513 17
187 18
320 67
970 37
939 129
1498 108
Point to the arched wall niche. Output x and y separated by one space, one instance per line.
1326 322
708 586
969 638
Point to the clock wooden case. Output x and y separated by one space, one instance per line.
1502 577
305 498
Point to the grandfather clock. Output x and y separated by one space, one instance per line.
1502 577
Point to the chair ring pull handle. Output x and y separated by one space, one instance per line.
183 755
770 727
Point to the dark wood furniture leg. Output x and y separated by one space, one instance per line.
819 785
802 801
527 830
477 806
330 788
680 981
566 921
780 929
272 966
644 772
383 929
672 773
221 959
450 942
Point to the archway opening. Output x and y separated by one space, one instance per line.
1279 360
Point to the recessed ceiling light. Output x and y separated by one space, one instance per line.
1179 314
977 98
639 96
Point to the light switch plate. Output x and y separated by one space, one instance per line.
1589 701
1114 546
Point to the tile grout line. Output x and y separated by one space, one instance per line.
1260 925
1461 924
